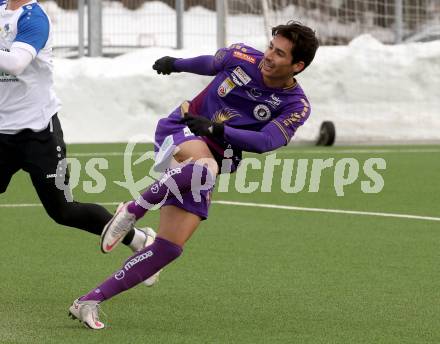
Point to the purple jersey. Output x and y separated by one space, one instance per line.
257 118
238 97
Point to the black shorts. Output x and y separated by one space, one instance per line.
38 153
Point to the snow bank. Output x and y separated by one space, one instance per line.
373 92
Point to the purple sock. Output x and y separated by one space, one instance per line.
136 269
175 182
94 295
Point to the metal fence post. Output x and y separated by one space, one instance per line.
95 27
222 10
398 21
81 13
180 9
266 6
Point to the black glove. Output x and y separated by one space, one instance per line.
202 126
165 65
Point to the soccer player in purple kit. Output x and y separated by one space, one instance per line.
253 104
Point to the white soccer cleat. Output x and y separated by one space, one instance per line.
143 237
150 235
117 228
87 313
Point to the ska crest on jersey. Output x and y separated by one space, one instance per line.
262 112
225 87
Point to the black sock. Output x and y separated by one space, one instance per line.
128 238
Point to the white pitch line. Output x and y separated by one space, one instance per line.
273 206
29 205
359 151
323 210
99 154
288 151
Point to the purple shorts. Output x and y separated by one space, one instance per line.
169 134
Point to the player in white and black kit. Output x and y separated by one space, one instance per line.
31 137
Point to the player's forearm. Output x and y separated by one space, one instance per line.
254 141
14 62
203 65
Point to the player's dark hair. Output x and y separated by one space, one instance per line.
303 38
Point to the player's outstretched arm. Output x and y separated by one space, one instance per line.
165 65
14 62
268 139
202 65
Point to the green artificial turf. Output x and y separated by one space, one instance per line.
249 274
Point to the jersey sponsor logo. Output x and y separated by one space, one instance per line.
235 79
120 275
306 105
6 30
244 56
253 93
241 74
5 77
273 101
226 86
138 259
169 174
293 118
156 186
297 117
262 112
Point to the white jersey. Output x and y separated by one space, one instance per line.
27 100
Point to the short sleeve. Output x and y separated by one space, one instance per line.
33 29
